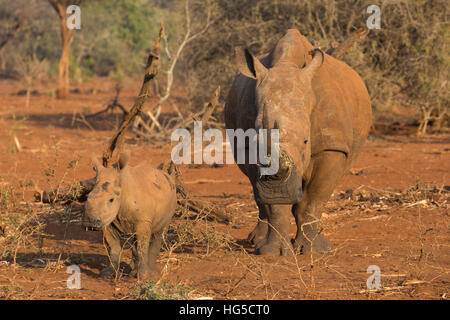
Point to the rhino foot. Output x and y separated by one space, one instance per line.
108 272
272 249
259 234
133 273
320 245
148 274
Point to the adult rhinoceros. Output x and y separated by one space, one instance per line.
322 109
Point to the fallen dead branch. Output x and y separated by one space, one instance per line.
142 128
110 107
369 199
406 285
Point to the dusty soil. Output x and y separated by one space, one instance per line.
390 210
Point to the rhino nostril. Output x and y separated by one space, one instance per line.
111 200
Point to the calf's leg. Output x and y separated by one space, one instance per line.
112 240
143 233
153 251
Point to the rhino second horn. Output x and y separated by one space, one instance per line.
310 70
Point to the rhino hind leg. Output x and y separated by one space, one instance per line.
112 240
276 241
328 168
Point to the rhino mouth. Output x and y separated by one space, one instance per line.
285 187
91 224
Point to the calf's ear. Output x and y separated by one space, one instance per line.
123 159
249 65
95 162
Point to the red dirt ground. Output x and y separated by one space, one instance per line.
407 238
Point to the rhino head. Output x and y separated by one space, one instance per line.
284 99
103 203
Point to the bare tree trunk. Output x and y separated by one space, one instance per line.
60 7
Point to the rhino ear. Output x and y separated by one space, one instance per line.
318 58
96 163
249 65
124 157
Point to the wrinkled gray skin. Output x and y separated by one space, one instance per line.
132 205
323 112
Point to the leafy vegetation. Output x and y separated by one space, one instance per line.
163 290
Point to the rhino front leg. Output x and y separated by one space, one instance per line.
259 233
143 234
112 240
134 260
328 168
153 251
277 238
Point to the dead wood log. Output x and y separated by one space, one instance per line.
78 193
187 203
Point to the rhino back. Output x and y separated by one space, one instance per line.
342 114
148 195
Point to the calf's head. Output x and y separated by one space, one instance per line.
103 203
284 99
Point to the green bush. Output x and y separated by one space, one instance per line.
114 35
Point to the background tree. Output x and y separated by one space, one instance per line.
60 7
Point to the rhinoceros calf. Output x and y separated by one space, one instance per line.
133 203
322 109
